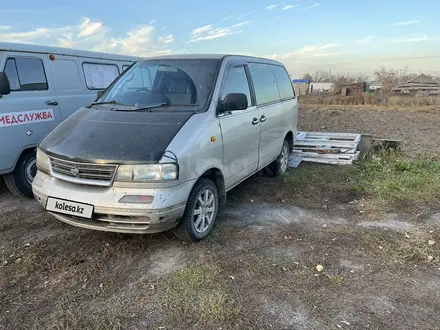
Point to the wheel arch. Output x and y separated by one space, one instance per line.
216 176
290 139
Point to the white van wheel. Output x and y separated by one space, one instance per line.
19 182
279 166
200 213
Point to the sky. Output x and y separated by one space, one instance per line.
306 35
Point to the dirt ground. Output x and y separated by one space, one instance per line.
418 130
258 270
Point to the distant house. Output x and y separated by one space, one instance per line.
321 87
421 85
375 85
301 86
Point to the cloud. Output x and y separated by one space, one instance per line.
88 28
312 6
152 21
271 7
404 23
93 35
307 51
240 17
208 32
4 27
166 40
202 29
415 38
364 41
290 7
324 54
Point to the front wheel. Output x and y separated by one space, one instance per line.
279 166
19 182
200 213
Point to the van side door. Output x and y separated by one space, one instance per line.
240 128
70 84
31 110
270 112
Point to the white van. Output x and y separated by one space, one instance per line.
47 84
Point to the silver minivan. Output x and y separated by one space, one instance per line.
160 148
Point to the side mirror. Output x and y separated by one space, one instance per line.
233 101
99 93
5 88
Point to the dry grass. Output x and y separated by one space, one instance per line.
373 101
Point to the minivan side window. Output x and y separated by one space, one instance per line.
283 81
266 89
26 74
98 75
237 82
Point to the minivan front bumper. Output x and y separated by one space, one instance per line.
109 214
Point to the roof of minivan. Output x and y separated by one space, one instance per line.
27 48
209 56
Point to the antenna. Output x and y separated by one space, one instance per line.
182 48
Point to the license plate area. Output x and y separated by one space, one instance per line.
69 207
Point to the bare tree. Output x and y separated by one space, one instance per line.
308 77
323 76
388 78
361 78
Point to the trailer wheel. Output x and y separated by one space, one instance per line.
19 182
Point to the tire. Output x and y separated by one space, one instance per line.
194 228
19 182
279 166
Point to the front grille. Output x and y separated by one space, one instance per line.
93 174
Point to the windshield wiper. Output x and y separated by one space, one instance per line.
160 105
110 102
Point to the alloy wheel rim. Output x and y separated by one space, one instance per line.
204 210
284 158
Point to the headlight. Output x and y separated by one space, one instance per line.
147 173
42 161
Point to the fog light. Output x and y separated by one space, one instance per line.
137 199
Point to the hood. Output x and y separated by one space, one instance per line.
106 136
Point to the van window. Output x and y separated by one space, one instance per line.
26 74
283 81
11 72
141 79
61 68
99 76
237 82
266 89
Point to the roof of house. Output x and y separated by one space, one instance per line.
419 82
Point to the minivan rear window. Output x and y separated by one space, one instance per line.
266 89
283 81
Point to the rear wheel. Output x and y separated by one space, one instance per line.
200 213
279 166
19 182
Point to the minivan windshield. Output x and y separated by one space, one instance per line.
164 85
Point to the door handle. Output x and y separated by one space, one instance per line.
51 102
263 118
255 121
